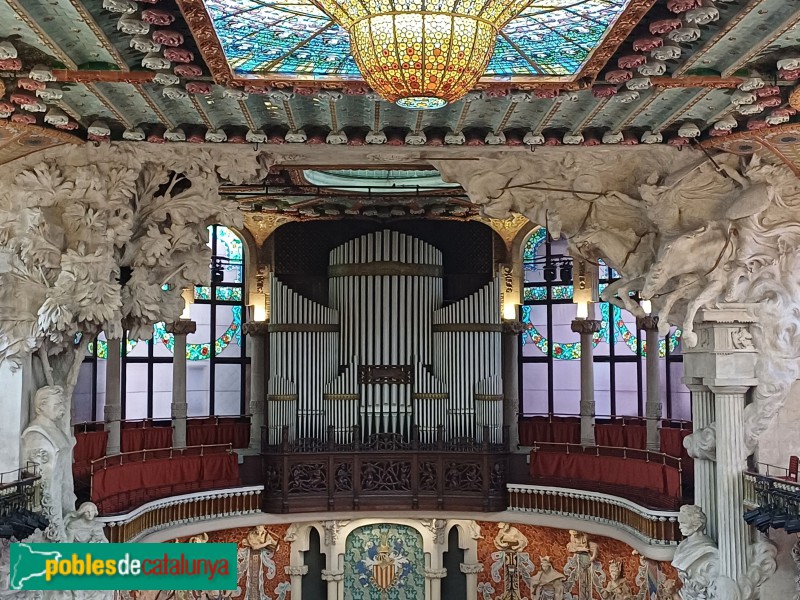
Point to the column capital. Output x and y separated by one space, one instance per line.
436 573
332 574
587 408
722 389
471 568
586 326
512 326
179 410
647 323
295 570
256 328
112 412
182 327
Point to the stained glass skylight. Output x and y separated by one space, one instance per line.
260 38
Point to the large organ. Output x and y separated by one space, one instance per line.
384 354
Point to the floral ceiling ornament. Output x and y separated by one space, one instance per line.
422 54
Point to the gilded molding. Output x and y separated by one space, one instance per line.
199 22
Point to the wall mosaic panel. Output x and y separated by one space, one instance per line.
384 562
583 567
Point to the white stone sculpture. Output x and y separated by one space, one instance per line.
134 135
703 15
34 107
533 139
235 94
573 139
689 130
613 138
685 35
175 134
142 43
47 443
667 52
132 25
547 582
753 83
749 109
626 96
7 50
155 62
216 136
255 137
510 538
296 136
174 92
336 138
376 137
617 587
495 138
789 64
453 138
56 116
726 124
740 97
639 83
120 6
42 73
166 78
82 527
653 68
51 93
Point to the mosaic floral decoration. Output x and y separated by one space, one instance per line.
294 37
384 562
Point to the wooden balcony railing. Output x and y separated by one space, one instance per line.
181 510
384 472
655 527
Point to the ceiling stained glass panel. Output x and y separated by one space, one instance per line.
552 38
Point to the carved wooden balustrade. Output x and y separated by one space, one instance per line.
385 471
655 527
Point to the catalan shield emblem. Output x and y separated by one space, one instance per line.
384 573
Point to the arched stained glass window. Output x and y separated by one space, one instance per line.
550 350
216 372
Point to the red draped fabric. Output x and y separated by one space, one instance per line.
636 436
628 472
201 434
124 485
90 445
158 437
672 441
566 431
609 434
235 433
204 432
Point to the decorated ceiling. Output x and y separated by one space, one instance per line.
583 72
261 38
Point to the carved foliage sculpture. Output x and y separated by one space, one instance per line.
103 239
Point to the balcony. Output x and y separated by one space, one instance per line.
20 501
384 472
771 502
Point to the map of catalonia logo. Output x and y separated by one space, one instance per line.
123 567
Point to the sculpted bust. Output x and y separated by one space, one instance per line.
510 538
697 557
47 443
547 583
81 526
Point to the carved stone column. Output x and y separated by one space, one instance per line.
511 331
724 361
296 572
652 410
258 332
112 413
705 470
179 329
471 570
334 578
587 328
434 578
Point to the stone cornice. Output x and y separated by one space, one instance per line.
256 328
585 326
182 327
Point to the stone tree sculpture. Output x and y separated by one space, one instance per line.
99 239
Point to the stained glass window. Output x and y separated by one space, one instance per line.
619 348
294 37
147 365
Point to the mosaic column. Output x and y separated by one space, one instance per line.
511 330
471 570
334 578
652 407
296 572
258 332
112 412
587 328
179 329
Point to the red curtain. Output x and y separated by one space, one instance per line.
123 486
636 436
672 441
609 434
613 470
90 446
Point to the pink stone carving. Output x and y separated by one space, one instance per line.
678 141
26 118
545 93
665 26
681 6
757 124
647 44
769 90
719 132
93 137
20 98
179 55
770 102
10 64
156 16
632 61
603 91
167 37
196 138
199 87
188 70
618 76
31 85
68 126
789 74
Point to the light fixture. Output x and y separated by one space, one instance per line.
647 307
422 54
509 311
258 300
566 273
188 299
583 310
